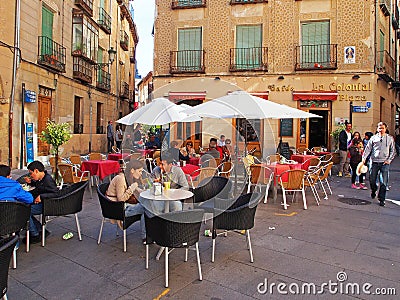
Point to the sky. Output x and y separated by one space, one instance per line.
144 18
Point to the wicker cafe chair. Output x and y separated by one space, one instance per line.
273 158
311 180
301 150
323 178
295 183
66 202
72 174
14 216
204 173
113 210
225 169
311 163
75 159
260 176
239 216
179 229
7 247
52 162
95 156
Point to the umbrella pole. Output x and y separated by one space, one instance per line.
236 157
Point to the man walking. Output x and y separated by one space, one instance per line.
382 150
344 144
110 136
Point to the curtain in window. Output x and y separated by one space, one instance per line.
189 49
315 44
248 54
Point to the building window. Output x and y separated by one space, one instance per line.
78 126
249 53
188 3
85 36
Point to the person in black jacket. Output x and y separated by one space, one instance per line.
344 144
42 183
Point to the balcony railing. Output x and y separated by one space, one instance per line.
86 5
103 78
249 59
124 40
132 55
51 54
385 7
312 57
385 66
82 69
176 4
124 92
187 61
248 1
104 20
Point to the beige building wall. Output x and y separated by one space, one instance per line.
352 23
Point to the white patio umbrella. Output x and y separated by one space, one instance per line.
240 104
160 111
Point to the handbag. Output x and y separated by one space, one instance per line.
132 200
120 136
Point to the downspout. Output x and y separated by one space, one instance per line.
16 60
375 35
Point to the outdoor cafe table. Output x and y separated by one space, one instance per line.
117 156
167 195
101 168
190 169
194 161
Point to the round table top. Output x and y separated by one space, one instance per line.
167 195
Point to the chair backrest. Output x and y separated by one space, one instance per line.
65 202
52 162
325 159
67 172
260 174
240 214
95 156
274 158
248 161
210 162
13 216
75 159
216 186
295 179
225 169
316 149
301 150
311 163
110 209
325 171
178 229
207 173
7 246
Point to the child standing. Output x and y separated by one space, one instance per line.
356 150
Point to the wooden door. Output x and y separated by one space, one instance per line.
44 109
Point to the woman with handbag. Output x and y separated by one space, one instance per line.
119 135
120 190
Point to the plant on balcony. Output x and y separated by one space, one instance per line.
56 135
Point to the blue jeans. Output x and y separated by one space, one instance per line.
34 225
136 209
383 179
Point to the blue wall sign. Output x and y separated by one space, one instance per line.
360 109
30 96
29 142
368 104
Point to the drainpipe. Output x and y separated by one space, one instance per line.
90 119
375 35
16 60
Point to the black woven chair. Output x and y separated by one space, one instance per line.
179 229
208 189
14 216
7 246
113 210
65 202
239 216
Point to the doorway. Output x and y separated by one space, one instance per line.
318 129
44 109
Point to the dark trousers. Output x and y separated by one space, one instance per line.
110 143
354 175
119 143
383 181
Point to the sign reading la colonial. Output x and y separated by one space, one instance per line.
333 86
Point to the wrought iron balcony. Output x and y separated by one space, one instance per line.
104 20
177 4
385 66
313 57
248 1
385 7
124 92
103 77
248 59
124 40
51 54
187 61
86 5
82 69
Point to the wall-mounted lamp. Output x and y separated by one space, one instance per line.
217 78
281 77
356 76
111 55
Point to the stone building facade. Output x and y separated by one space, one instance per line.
64 65
338 59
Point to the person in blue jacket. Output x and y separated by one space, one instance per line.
11 190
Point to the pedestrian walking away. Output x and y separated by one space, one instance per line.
110 136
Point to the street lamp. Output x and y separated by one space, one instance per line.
111 55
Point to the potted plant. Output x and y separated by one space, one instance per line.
56 135
335 142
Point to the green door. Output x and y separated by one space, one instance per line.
47 31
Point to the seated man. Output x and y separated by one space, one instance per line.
211 153
43 183
11 190
152 143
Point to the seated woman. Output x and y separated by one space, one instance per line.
119 190
188 150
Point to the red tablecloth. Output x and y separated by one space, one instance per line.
101 168
278 169
194 161
301 158
117 156
190 169
146 152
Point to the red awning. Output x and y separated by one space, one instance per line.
174 96
315 95
263 95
